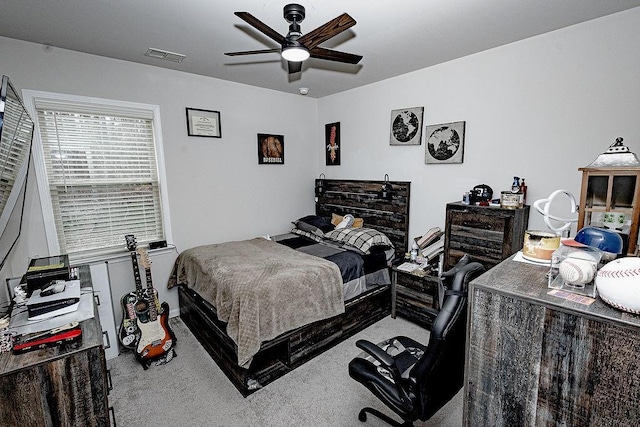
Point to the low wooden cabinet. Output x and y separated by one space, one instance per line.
65 385
414 297
535 359
489 234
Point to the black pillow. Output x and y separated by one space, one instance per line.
314 221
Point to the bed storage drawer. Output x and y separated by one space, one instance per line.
289 350
270 363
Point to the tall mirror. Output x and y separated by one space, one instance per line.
16 132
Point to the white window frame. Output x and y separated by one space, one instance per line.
29 97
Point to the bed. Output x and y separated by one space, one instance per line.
335 283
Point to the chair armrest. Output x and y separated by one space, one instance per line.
381 356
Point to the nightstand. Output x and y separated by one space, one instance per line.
414 296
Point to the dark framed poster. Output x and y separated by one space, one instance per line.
270 149
332 143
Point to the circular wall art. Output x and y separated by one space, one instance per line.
444 143
406 126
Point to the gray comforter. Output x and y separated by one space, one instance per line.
260 288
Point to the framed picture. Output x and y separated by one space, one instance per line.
332 143
406 126
444 143
270 149
204 123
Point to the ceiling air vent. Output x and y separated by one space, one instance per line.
163 54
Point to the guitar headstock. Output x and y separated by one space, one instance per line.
131 242
144 258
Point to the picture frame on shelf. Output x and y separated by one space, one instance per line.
270 149
203 123
406 126
332 144
444 143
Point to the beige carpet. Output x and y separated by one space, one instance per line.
192 391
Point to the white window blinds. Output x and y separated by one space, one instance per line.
102 174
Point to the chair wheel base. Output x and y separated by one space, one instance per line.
362 416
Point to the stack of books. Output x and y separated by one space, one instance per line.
431 244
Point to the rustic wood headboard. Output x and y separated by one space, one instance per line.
363 199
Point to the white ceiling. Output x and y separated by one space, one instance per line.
394 37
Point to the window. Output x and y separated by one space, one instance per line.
104 176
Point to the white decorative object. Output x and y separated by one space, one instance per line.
576 271
544 205
618 284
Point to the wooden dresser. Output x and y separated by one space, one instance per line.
489 234
59 386
534 359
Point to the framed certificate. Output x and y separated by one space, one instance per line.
203 123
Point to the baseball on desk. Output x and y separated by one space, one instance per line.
578 269
618 284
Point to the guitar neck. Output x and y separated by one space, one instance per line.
153 300
136 272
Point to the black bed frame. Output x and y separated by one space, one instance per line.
291 349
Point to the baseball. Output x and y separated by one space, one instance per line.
577 271
618 284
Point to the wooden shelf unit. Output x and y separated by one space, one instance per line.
615 190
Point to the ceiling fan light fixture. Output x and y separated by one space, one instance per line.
295 52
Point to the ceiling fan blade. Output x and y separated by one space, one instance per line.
294 67
260 26
334 55
326 31
252 52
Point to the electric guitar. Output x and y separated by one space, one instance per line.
157 340
129 333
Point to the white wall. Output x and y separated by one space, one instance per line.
539 108
217 190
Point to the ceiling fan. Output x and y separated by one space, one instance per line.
296 47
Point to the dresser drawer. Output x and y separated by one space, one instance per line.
416 298
489 234
476 220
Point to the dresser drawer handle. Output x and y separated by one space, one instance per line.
109 382
470 225
105 334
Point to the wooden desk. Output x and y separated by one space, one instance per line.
57 386
535 359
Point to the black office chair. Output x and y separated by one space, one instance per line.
412 379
